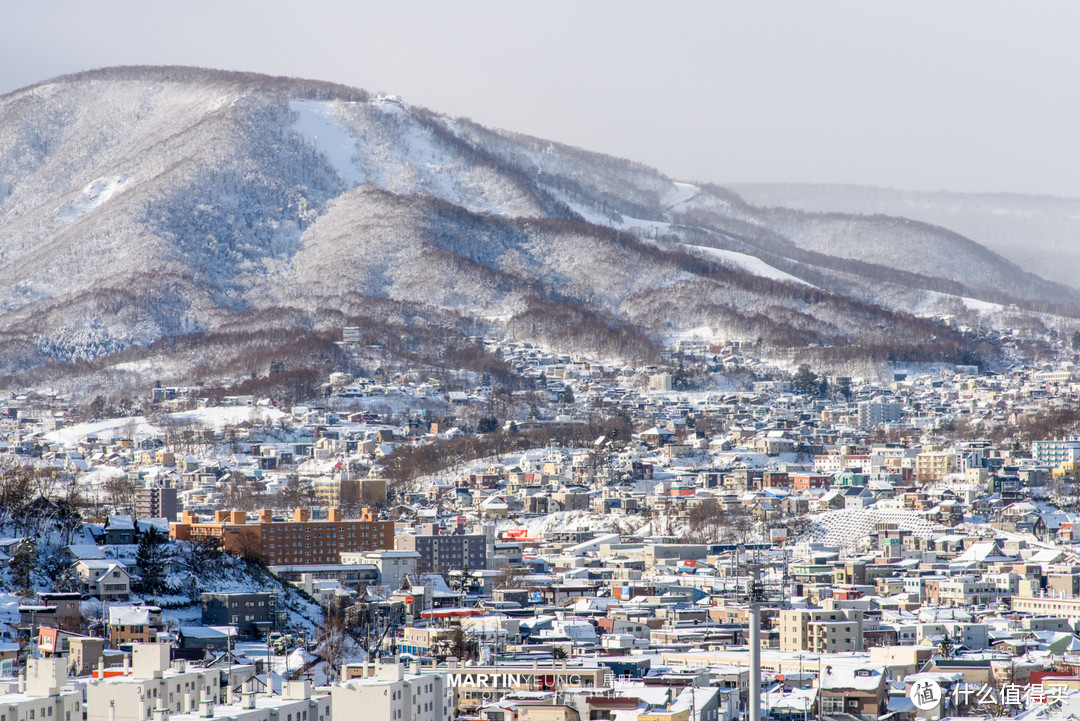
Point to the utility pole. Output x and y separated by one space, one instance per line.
755 596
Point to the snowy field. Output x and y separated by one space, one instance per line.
749 263
214 418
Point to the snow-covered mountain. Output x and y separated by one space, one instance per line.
1037 232
141 204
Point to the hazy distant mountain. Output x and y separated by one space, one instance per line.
1039 233
140 204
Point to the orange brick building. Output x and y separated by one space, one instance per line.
283 543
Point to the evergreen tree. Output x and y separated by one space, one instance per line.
946 646
151 557
23 564
805 381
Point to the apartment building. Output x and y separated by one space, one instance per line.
446 551
300 541
964 591
879 412
821 630
44 694
394 566
151 682
152 688
1054 453
1050 605
349 492
388 692
156 502
247 611
935 465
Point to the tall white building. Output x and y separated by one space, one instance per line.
152 683
42 694
879 412
1056 452
152 688
392 694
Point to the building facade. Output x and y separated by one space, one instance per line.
300 541
449 552
388 692
821 630
156 502
247 611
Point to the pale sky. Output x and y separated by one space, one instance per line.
965 95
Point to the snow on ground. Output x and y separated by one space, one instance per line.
317 121
283 665
749 263
701 332
564 521
982 306
216 418
752 459
146 365
680 194
70 435
220 416
93 195
9 609
619 222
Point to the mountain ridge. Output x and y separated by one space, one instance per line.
1036 232
160 202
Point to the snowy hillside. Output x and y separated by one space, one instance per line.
141 204
1038 233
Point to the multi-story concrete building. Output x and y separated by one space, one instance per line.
151 682
1063 607
350 492
300 541
247 611
155 689
44 694
156 502
1054 453
879 412
388 692
966 591
393 566
821 630
935 465
449 551
972 636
